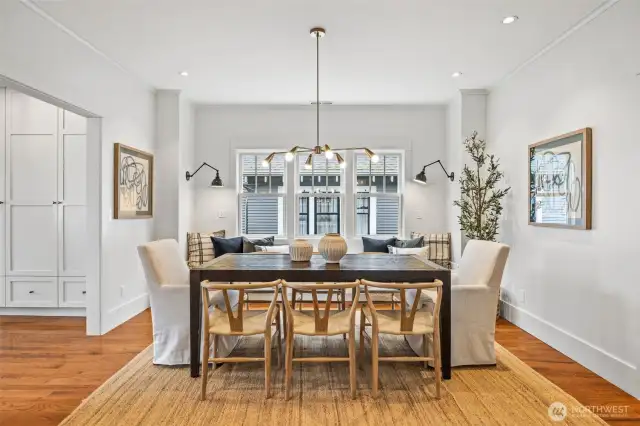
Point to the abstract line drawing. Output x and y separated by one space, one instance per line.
560 181
555 176
133 183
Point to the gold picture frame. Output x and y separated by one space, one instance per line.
132 183
560 181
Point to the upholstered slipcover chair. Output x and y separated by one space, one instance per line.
167 277
475 290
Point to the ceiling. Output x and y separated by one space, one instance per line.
375 51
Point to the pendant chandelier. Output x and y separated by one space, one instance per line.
319 149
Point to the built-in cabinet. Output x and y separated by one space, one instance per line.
43 193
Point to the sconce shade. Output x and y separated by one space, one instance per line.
421 178
217 182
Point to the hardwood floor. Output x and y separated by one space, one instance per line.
48 366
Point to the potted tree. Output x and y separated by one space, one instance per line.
481 199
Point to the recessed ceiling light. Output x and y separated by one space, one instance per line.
509 19
456 74
184 73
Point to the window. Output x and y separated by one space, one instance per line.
378 195
316 198
262 196
319 198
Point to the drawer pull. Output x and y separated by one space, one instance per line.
84 291
31 292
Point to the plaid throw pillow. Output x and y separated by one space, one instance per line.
439 246
200 247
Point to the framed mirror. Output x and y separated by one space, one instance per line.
560 181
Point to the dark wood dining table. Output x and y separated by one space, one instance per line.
374 267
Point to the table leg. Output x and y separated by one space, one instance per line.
195 308
445 327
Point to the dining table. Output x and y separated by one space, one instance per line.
382 267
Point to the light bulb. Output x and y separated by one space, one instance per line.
265 163
328 154
343 164
375 158
307 166
288 156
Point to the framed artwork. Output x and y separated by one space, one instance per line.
132 183
560 181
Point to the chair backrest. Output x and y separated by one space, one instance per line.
236 322
406 318
483 263
321 321
163 263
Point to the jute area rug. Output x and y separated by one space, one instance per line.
509 393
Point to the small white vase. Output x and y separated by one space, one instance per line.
332 247
300 251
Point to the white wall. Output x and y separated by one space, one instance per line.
419 130
582 292
173 216
167 155
454 165
35 52
187 162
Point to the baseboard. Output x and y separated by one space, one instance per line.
604 364
44 312
124 312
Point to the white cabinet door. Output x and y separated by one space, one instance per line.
2 197
30 116
31 187
32 240
31 292
72 194
72 292
73 124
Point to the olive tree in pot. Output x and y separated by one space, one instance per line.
481 199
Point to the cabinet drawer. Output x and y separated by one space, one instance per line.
31 292
72 292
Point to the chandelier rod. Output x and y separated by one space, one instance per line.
318 88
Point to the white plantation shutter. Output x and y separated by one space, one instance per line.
378 196
262 196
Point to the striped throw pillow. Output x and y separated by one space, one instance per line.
200 247
439 246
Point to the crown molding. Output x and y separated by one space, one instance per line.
30 4
603 7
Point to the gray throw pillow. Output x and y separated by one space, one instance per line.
415 243
374 245
249 246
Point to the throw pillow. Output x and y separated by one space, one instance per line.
420 251
416 242
200 247
439 247
373 245
249 246
275 249
226 245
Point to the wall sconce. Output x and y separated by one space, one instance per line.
422 177
215 183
